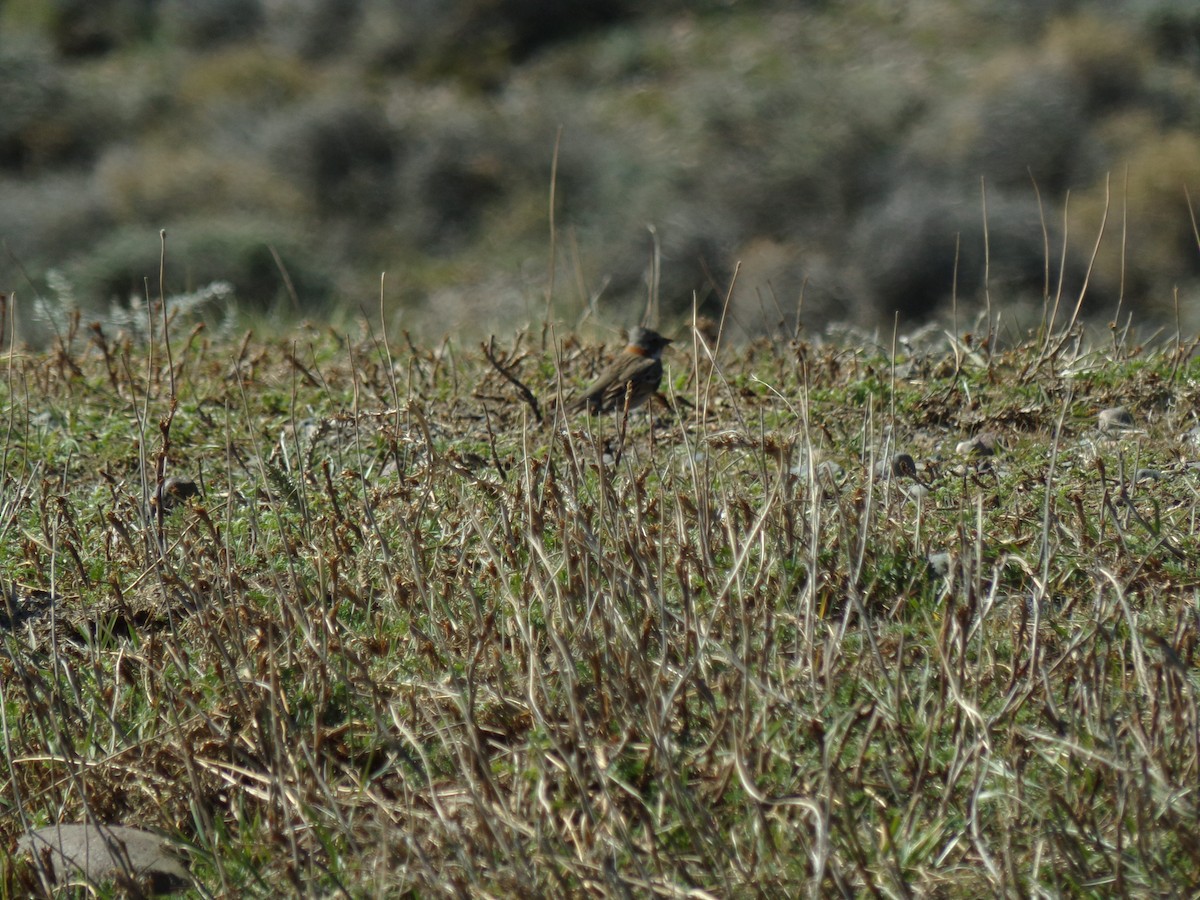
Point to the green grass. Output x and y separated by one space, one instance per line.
407 643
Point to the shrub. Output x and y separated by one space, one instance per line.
160 182
463 166
237 251
203 24
1027 119
1106 59
85 27
1152 173
32 88
45 219
1173 27
340 153
313 29
235 87
907 250
55 312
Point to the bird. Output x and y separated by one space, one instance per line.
901 465
634 375
173 493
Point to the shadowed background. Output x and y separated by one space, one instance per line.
840 151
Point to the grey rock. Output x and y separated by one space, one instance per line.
100 853
917 491
939 563
985 444
1115 420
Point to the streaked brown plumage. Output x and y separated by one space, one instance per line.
639 365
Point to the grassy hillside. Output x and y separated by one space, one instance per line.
407 642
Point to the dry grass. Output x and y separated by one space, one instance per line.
407 643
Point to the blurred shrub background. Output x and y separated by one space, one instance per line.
845 152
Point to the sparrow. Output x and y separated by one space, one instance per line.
636 373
